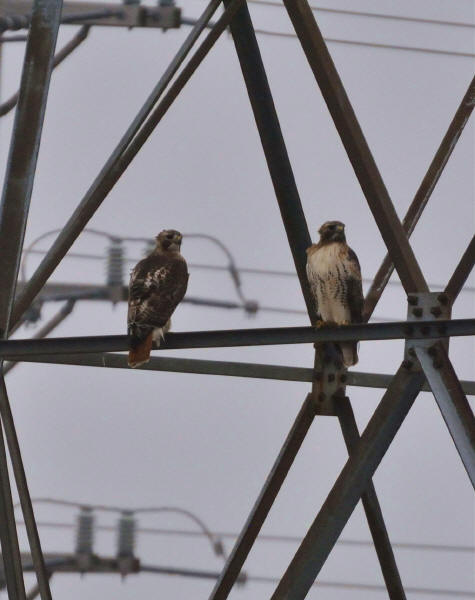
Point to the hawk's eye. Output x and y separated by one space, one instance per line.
332 227
170 236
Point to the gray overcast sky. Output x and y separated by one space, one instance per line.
207 443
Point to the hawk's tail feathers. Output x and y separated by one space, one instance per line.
349 351
140 354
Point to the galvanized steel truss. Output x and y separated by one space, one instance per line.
426 355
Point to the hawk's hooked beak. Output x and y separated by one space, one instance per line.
340 227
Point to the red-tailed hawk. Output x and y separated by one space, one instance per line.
334 275
157 284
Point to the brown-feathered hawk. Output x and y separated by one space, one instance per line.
334 275
157 284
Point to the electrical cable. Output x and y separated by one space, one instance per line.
231 268
245 578
283 34
263 537
222 268
356 13
445 593
214 540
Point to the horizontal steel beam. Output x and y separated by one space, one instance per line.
223 368
16 349
98 14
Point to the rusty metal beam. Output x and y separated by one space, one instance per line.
374 515
197 366
274 147
8 534
75 41
355 144
461 273
47 328
224 338
261 508
131 142
423 194
99 14
350 485
360 467
24 148
452 402
14 207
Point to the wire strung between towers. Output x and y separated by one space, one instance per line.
372 15
222 268
263 537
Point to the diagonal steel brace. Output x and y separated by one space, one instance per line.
299 239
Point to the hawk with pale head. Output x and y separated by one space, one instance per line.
334 275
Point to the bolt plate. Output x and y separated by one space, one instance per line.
432 306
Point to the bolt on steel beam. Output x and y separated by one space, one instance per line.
125 151
351 483
355 144
423 194
266 498
274 147
328 392
435 363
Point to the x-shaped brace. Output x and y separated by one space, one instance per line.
367 452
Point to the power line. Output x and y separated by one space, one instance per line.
231 267
273 538
66 563
222 268
356 13
371 587
283 34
